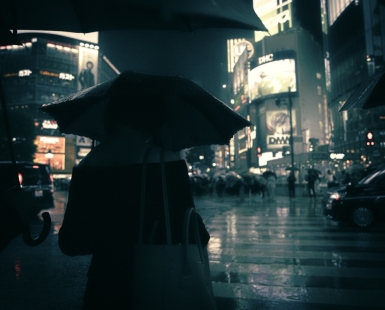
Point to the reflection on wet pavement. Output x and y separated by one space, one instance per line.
286 255
263 255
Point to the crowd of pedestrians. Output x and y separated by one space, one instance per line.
307 183
231 184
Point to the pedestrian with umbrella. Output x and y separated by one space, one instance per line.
291 181
311 177
106 195
291 184
271 179
86 16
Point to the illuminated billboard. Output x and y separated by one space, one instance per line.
274 75
83 147
276 15
88 67
240 75
235 48
278 128
54 145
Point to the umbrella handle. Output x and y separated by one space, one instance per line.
43 235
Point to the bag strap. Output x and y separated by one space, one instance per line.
165 198
186 274
143 195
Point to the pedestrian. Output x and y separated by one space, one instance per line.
220 185
311 179
263 186
102 213
291 184
330 179
345 177
271 180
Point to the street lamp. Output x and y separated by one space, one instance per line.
289 104
49 156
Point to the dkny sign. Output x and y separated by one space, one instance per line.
278 141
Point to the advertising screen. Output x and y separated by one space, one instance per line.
272 78
275 15
57 162
240 74
83 147
88 67
56 145
278 128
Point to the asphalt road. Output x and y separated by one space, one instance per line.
263 255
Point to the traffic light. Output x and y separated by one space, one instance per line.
259 151
369 139
285 151
313 144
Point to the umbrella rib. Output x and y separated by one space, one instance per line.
14 19
77 15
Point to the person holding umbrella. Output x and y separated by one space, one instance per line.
291 184
102 213
311 178
271 179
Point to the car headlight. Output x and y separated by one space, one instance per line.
335 196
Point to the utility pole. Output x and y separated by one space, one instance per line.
291 130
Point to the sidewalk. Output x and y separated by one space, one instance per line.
61 196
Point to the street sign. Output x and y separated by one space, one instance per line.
352 156
319 156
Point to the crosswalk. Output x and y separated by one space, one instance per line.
286 255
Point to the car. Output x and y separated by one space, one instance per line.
361 204
33 177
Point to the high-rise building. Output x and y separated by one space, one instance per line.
271 72
47 67
354 42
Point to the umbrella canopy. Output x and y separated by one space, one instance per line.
292 168
232 178
84 16
269 173
369 94
313 170
6 36
187 114
355 169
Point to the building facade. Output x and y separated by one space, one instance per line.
354 43
47 67
269 75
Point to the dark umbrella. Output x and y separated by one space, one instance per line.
232 179
315 172
84 16
6 36
292 169
187 114
268 173
369 94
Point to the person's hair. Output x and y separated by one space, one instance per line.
135 111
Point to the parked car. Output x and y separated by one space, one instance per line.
362 203
33 177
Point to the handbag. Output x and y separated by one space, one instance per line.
170 276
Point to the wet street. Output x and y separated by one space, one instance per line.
263 255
